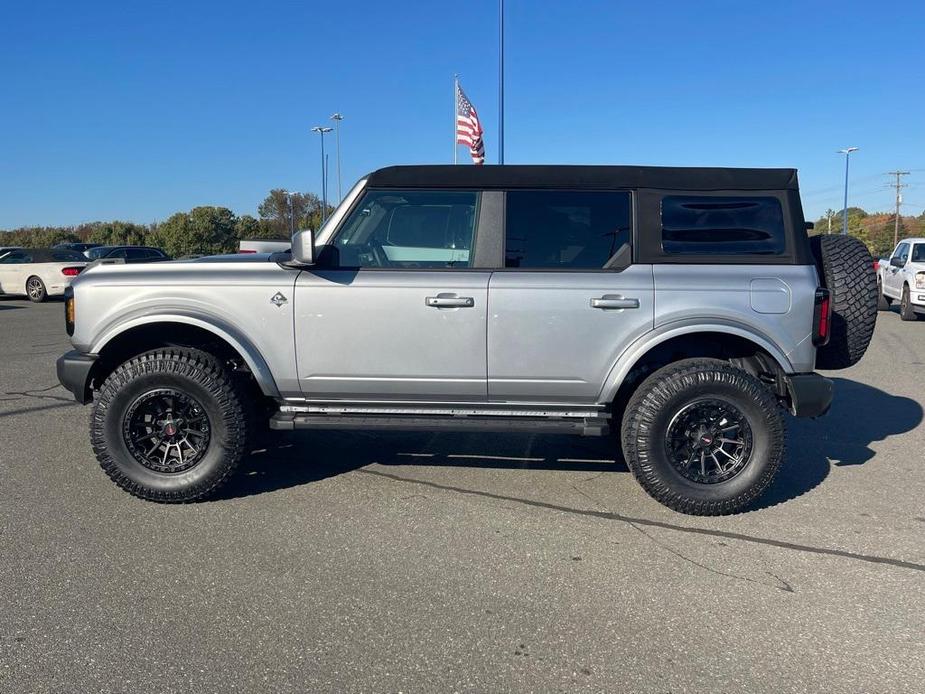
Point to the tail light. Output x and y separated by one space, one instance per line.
71 271
69 310
246 251
822 317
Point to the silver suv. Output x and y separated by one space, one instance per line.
681 310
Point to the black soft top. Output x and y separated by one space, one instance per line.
589 177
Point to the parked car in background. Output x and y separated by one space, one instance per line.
902 278
39 272
264 245
128 254
79 247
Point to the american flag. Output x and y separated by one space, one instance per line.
468 127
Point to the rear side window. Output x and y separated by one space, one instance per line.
713 225
565 229
918 253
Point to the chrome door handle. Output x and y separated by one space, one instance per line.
450 301
614 301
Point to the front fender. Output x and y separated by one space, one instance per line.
668 331
213 324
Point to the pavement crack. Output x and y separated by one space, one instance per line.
785 588
646 522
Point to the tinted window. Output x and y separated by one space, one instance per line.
918 253
902 252
702 225
564 229
13 258
136 253
409 229
66 256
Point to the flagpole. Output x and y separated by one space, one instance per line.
455 93
501 84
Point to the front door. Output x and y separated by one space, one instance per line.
893 277
559 316
12 280
395 311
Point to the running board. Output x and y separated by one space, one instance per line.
582 426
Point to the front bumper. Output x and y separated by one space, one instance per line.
810 394
74 374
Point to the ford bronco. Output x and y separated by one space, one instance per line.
682 310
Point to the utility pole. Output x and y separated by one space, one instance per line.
847 152
324 176
899 201
828 215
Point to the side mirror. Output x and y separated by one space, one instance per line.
303 247
809 225
897 262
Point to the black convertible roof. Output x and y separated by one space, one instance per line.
570 176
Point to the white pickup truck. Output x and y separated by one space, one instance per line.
902 278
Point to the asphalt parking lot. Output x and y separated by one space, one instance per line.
419 562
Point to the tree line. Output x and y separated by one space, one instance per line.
205 230
875 229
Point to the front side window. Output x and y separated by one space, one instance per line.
902 252
408 229
721 225
565 229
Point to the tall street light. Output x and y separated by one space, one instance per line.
321 130
847 152
289 195
337 118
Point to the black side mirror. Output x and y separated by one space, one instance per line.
897 262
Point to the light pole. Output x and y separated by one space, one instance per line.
337 118
289 195
321 130
847 152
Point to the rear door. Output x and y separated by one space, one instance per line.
560 313
395 309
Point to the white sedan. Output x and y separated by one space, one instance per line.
39 272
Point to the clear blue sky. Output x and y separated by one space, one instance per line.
135 110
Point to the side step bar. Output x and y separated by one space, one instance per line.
586 426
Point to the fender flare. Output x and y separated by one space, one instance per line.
221 329
638 349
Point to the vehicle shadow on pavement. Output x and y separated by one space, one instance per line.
860 416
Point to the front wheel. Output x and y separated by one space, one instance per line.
35 289
170 425
906 312
703 437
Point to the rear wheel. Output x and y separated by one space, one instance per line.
170 425
906 312
883 301
35 289
703 437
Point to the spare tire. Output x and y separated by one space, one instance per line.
847 271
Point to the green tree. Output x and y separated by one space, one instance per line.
202 230
274 211
119 234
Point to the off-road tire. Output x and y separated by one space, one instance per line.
906 312
664 394
847 271
883 301
192 372
35 290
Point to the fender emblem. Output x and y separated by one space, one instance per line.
278 299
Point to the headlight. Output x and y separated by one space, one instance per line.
920 280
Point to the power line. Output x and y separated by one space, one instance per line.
899 185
